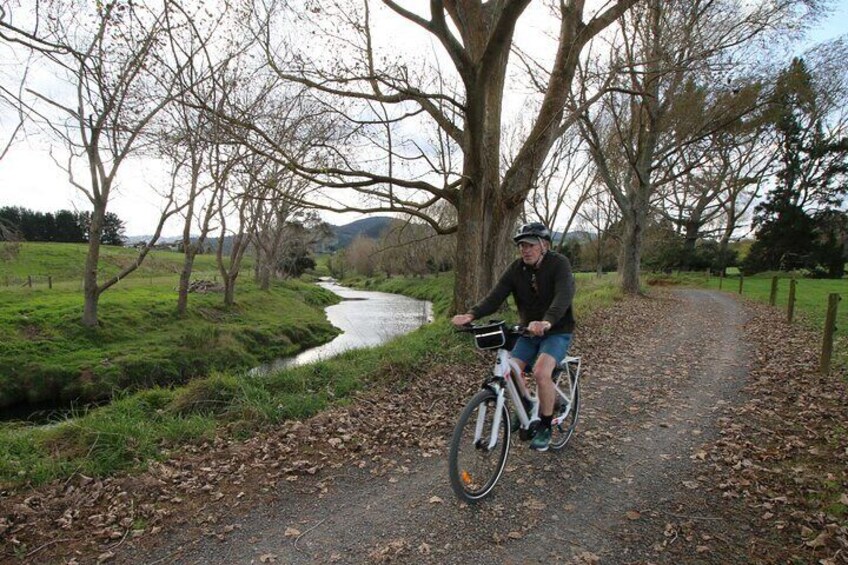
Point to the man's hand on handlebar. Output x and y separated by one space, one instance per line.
462 320
538 328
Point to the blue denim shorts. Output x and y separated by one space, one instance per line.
528 348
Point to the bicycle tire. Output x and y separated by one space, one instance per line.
473 469
562 432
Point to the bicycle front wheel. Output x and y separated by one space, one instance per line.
474 464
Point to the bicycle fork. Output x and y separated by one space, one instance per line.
496 421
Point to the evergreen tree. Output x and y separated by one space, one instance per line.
114 231
113 228
811 183
66 228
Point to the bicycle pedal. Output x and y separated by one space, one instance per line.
529 433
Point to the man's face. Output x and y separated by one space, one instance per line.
531 251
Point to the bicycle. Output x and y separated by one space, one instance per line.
481 440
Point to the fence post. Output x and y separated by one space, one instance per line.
773 295
29 281
720 280
829 330
50 282
741 279
790 308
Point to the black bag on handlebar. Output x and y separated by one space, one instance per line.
491 336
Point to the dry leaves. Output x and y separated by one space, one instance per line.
780 452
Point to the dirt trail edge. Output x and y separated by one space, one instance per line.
658 377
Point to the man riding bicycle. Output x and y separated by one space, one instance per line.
542 286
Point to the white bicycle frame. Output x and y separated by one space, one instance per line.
507 369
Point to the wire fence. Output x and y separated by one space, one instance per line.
828 303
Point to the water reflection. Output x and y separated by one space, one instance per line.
366 319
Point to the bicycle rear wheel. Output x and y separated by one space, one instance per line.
475 468
569 412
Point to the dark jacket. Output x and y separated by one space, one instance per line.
552 301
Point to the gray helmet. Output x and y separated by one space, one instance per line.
532 230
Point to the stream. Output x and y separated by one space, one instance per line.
366 318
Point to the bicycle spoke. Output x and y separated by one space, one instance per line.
566 418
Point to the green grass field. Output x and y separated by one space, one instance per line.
64 263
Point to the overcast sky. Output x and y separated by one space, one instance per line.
29 177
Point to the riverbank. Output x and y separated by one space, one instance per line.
141 342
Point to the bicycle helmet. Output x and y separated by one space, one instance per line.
533 230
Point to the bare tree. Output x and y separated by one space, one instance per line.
599 214
402 176
274 214
749 166
564 182
188 134
672 49
711 199
235 180
361 255
106 54
412 247
281 224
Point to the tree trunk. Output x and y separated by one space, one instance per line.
483 250
630 256
690 238
483 244
230 289
185 279
91 290
264 274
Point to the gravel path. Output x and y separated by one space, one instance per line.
659 375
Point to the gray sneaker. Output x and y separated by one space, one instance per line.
541 440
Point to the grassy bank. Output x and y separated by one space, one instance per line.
47 356
147 425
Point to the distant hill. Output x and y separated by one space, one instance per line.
581 236
342 235
131 240
368 227
372 227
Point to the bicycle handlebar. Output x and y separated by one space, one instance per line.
513 328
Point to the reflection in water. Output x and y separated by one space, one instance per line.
366 319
